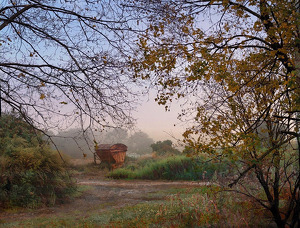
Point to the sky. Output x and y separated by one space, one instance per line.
156 122
151 117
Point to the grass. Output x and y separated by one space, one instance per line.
171 168
193 207
180 207
86 167
204 206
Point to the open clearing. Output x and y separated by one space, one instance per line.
100 195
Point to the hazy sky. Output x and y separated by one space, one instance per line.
156 122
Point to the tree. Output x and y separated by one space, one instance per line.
139 143
235 63
164 148
64 62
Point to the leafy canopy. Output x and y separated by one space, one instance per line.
235 64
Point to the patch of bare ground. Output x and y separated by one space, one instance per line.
101 195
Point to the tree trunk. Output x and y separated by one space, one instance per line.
296 216
275 204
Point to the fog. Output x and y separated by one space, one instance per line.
77 145
158 123
153 123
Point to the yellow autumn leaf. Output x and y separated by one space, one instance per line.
21 75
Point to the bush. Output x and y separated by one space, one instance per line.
164 148
31 174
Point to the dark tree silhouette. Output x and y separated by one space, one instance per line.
65 61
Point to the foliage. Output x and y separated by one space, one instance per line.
84 167
240 76
174 168
189 151
162 148
31 174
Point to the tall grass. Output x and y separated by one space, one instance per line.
174 168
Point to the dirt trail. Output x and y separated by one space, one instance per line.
102 195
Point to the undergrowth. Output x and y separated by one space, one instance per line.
173 168
31 174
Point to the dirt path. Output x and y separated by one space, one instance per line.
102 195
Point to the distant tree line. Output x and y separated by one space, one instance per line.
76 144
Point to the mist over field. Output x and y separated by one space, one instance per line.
75 144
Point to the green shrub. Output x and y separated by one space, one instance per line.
31 173
164 148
